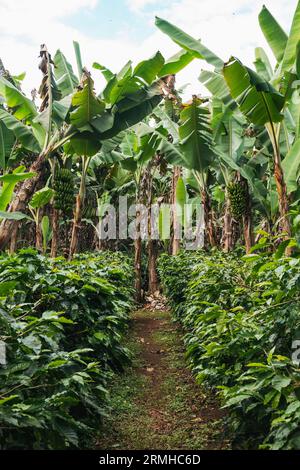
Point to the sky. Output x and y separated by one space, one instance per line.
113 31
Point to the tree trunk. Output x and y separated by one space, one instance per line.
248 232
209 226
14 239
76 226
282 198
55 233
23 195
227 238
247 221
138 267
175 239
152 273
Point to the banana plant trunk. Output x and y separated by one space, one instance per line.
282 198
247 221
208 218
283 201
14 239
78 208
55 233
77 220
138 259
38 235
152 273
248 232
227 237
175 240
21 199
152 247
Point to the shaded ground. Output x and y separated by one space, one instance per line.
156 404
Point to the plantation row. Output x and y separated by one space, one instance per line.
62 324
69 152
241 317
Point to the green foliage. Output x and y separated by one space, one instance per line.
87 105
195 135
65 78
191 45
13 127
273 32
62 324
41 198
257 99
9 182
241 317
24 108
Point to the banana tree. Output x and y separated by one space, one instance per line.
133 160
265 97
128 97
191 147
263 106
40 199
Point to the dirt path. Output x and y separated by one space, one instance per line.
156 404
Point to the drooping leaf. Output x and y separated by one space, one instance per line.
149 69
87 105
9 183
188 43
195 135
256 98
273 32
107 74
176 63
104 122
60 110
230 142
41 197
65 78
135 108
262 64
83 144
13 215
216 84
298 60
126 71
291 167
21 132
172 153
23 108
7 141
290 52
168 123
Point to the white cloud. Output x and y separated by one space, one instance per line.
228 27
138 5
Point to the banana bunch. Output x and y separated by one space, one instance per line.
237 194
64 188
90 206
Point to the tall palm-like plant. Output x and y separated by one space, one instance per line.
75 123
264 96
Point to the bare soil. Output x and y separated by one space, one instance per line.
157 404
